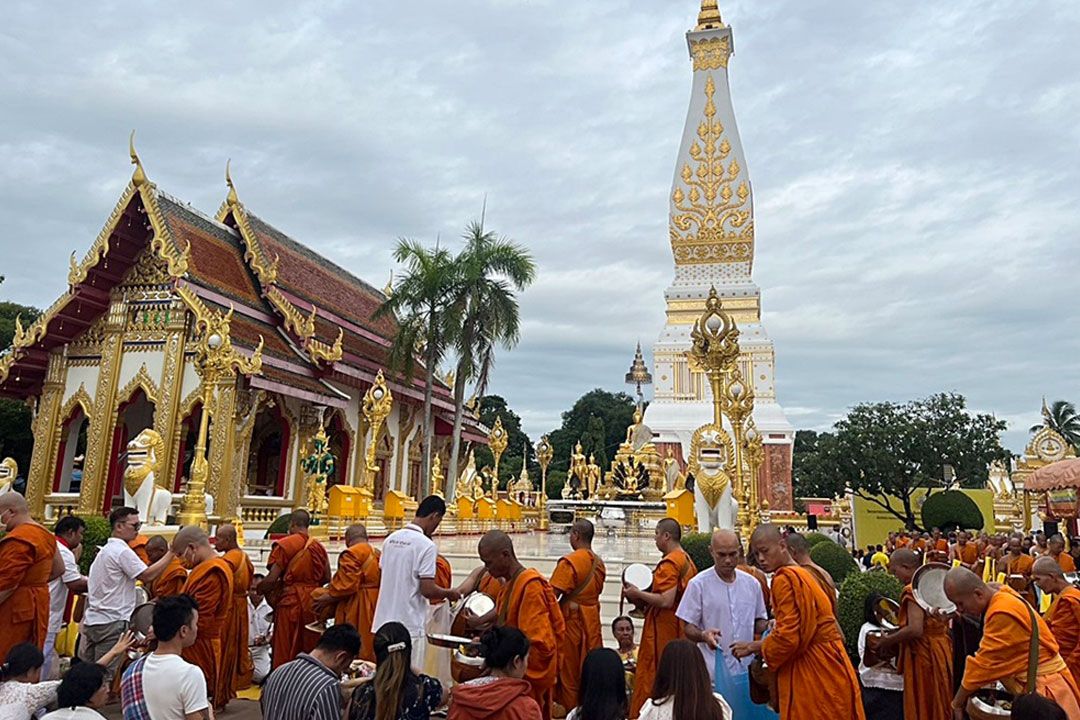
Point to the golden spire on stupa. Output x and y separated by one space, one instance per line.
709 17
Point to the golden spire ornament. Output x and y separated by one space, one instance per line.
709 17
138 178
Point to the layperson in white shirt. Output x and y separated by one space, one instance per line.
408 576
260 630
723 606
69 536
110 596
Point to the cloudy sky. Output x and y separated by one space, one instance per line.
916 168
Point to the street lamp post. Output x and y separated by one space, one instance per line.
217 359
544 454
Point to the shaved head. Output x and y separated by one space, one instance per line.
497 553
766 533
1047 565
669 527
19 510
904 558
300 519
770 548
797 545
725 550
226 537
968 591
583 529
190 536
156 547
355 534
496 541
725 539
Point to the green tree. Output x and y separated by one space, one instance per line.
599 417
884 452
16 438
1062 417
804 449
422 301
490 271
491 407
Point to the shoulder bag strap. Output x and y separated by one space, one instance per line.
1033 652
573 595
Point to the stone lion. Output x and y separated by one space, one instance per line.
141 489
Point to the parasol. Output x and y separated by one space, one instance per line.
1055 476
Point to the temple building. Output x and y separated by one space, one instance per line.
116 355
712 241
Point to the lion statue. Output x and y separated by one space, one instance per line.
141 490
711 455
9 470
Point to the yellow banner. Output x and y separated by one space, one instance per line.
873 523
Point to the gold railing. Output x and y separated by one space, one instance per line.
59 504
259 512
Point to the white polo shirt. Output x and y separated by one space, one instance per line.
58 590
712 604
110 595
408 555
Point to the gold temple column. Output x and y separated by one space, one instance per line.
103 421
222 481
46 428
167 418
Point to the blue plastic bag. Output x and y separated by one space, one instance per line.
735 688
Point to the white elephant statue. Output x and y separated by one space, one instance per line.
711 450
9 470
141 490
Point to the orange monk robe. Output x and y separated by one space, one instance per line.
814 676
941 545
26 559
1019 565
762 579
528 603
903 542
927 666
236 663
210 583
968 554
355 586
444 576
489 585
1066 562
1063 617
293 610
171 581
579 577
138 544
661 626
1003 654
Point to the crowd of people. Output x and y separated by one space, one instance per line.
353 642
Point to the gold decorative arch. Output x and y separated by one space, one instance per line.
80 399
141 381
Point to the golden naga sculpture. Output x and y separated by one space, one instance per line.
9 470
141 489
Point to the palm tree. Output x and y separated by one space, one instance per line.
422 302
1061 417
490 271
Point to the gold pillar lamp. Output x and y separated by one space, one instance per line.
544 454
497 441
217 360
378 401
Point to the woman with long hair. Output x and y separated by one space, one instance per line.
682 688
396 692
502 694
603 688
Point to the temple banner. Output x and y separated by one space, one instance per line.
873 523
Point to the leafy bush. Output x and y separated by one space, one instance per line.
836 560
696 546
813 538
280 526
97 534
851 607
951 509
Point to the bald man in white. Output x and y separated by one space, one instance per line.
723 605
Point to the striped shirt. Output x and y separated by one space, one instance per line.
303 689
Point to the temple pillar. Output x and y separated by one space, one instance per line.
247 407
167 418
103 420
221 481
46 427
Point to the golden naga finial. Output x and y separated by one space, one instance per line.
1047 417
233 199
389 289
138 178
709 17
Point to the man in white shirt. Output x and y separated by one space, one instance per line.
110 596
408 576
260 629
162 685
69 536
723 606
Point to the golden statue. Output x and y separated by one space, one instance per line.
464 485
578 477
9 470
592 472
437 477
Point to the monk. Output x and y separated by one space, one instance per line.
528 603
1002 656
354 590
28 561
669 582
1017 566
210 583
138 544
814 676
578 582
925 648
480 580
236 663
171 581
298 564
761 577
1056 549
965 551
1063 617
800 553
